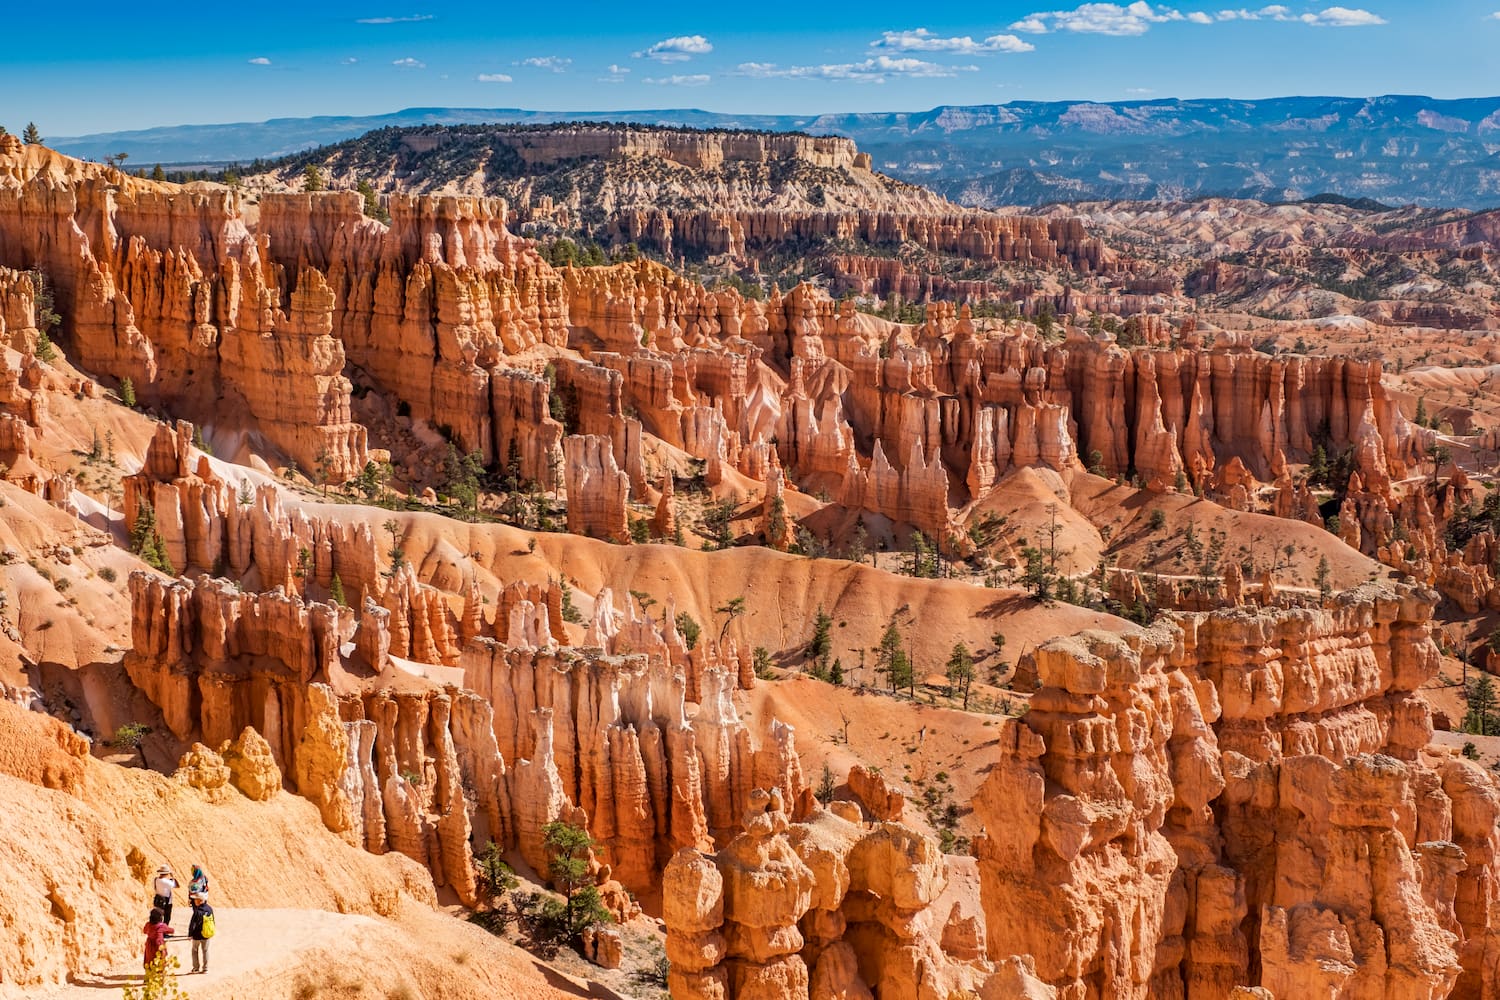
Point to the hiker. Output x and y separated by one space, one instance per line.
200 929
163 887
199 882
157 932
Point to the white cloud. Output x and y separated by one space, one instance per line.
1139 90
349 61
1138 17
409 63
1495 16
678 80
876 69
1342 17
1274 12
1100 19
555 64
260 61
493 78
680 48
922 40
614 74
408 19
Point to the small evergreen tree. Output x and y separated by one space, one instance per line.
568 848
689 627
1480 697
821 643
147 543
570 612
397 553
312 178
1317 467
324 464
30 135
44 349
372 206
836 672
1036 575
960 671
127 392
1323 577
891 659
496 882
1045 320
336 590
859 545
924 562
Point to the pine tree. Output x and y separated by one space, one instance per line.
1317 468
312 178
821 643
127 392
1323 578
1481 702
31 136
162 561
836 672
568 848
158 174
336 590
1036 576
891 659
44 349
961 671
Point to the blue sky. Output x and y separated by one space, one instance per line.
94 68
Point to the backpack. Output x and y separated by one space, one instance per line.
206 931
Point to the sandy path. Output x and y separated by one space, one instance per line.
259 954
247 944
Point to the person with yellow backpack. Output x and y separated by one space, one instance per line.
200 929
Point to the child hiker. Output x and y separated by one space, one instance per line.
156 931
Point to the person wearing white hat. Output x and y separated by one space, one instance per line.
163 887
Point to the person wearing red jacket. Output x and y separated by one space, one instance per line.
157 932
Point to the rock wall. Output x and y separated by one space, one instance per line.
1234 799
830 906
979 236
407 755
168 287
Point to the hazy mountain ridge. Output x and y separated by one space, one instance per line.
1393 148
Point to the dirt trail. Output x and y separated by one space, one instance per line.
268 953
247 943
